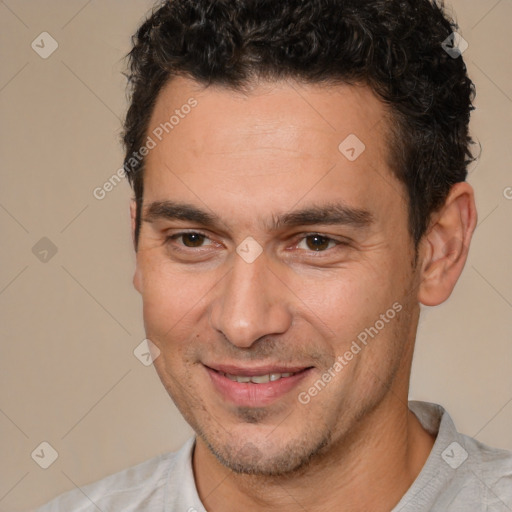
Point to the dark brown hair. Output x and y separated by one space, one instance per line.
393 46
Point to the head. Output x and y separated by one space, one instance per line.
299 176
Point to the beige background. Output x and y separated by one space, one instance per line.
69 326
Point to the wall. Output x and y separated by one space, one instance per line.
71 320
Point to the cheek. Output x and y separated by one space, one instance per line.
164 288
169 324
173 303
164 303
344 302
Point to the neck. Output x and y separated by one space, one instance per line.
370 469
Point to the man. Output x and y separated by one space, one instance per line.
299 175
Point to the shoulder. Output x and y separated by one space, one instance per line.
140 487
491 469
461 472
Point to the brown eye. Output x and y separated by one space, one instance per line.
192 239
317 242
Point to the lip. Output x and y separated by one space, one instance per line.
251 394
251 372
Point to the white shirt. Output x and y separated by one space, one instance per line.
460 475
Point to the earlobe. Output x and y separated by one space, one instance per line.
445 246
137 280
133 213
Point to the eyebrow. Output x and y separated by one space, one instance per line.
328 214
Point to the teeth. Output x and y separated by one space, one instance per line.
257 379
260 379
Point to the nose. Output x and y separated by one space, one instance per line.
250 303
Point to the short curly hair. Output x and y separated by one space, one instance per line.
396 47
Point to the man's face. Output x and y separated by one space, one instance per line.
292 299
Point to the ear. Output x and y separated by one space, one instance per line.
133 212
445 245
137 277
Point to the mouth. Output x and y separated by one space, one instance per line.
258 379
255 387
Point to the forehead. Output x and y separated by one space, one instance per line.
280 143
284 114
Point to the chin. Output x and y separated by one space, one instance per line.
260 458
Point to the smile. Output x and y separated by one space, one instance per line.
255 387
257 379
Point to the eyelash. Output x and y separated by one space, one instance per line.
171 238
